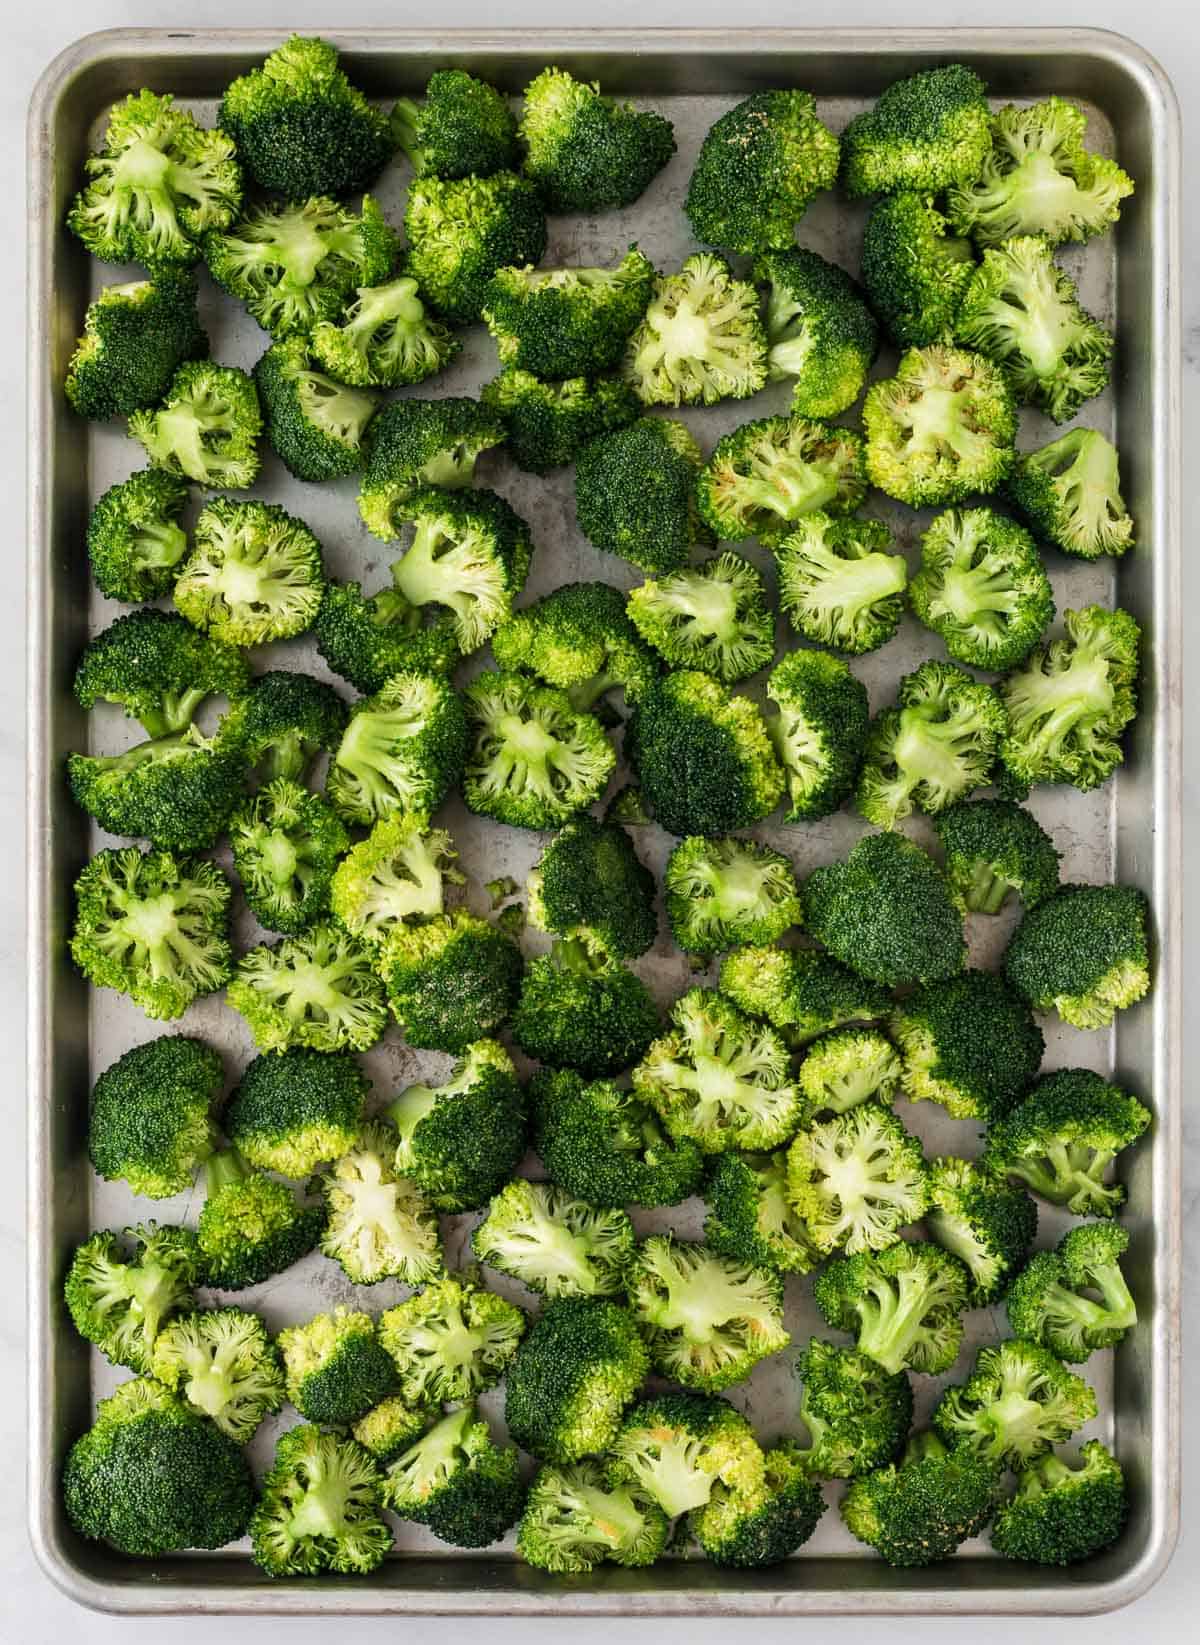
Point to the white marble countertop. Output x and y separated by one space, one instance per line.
31 1611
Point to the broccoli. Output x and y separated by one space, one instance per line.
941 428
748 1531
818 732
464 128
583 1009
150 1115
799 992
567 322
1071 699
337 1367
635 494
153 925
547 424
764 476
914 271
994 848
556 1245
680 1447
176 791
301 127
820 332
856 1179
462 1140
367 639
838 584
120 1301
970 1044
451 1340
920 1510
206 428
586 152
157 668
134 338
391 1427
157 184
456 1480
321 1508
904 1304
385 339
856 1415
1082 953
296 264
1017 1403
296 1110
628 807
402 752
315 426
701 339
926 132
283 724
1061 1140
1070 493
722 892
606 1146
380 1225
988 1223
150 1477
286 843
749 1218
713 617
462 230
317 990
135 541
573 1376
847 1067
1038 178
579 639
575 1519
982 587
254 575
451 981
719 1077
397 875
223 1365
251 1227
1062 1513
1051 1302
534 761
416 444
589 885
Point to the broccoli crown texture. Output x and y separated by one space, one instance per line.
381 1225
254 575
1082 953
456 1480
765 475
317 989
177 791
384 340
567 322
847 1067
316 426
134 338
583 1010
402 751
580 639
987 1222
119 1301
982 587
296 1109
389 1428
206 428
556 1245
608 1147
926 132
535 760
800 992
855 1414
336 1366
223 1365
589 884
1018 1401
713 617
1075 1299
904 1304
970 1044
150 1116
995 849
750 1219
820 333
818 730
283 724
462 230
579 1367
548 424
838 584
398 875
1063 1512
635 494
680 1446
451 981
575 1519
321 1508
451 1340
157 668
920 1510
586 152
251 1227
1070 493
750 1530
701 339
856 1179
914 271
135 541
415 444
463 1139
720 893
463 128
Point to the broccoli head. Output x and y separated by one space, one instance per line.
1062 1513
750 1219
575 1519
451 981
818 730
368 638
987 1223
119 1301
416 444
463 128
535 760
701 339
150 1115
764 476
762 1527
251 1226
903 1304
380 1225
583 1009
456 1480
254 575
995 848
579 639
855 1414
1070 493
134 338
713 617
838 584
402 752
608 1147
723 892
970 1044
680 1447
548 424
321 1508
206 428
1017 1403
982 587
135 541
460 1141
336 1366
580 1366
177 791
589 884
396 876
847 1067
635 494
223 1365
1075 1299
316 426
1082 953
567 322
799 992
586 152
384 340
914 271
462 230
317 990
283 724
558 1246
820 332
451 1340
297 1109
920 1510
389 1428
856 1179
926 132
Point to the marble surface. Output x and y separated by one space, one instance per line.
30 1609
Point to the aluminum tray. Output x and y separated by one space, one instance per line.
1127 831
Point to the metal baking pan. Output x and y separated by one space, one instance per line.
1128 831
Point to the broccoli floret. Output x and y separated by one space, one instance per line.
1070 493
748 1531
134 338
578 1369
1062 1513
985 1221
157 184
150 1477
765 475
385 339
982 587
456 1480
296 1110
451 981
390 1428
158 669
1082 953
464 128
321 1508
380 1225
608 1147
301 127
337 1367
904 1304
713 617
397 875
918 1511
463 1139
635 494
316 990
119 1301
856 1415
1061 1140
575 1519
150 1115
315 426
857 1179
914 271
926 132
723 892
153 925
367 639
838 584
819 731
589 885
223 1365
845 1068
579 639
135 542
461 231
1018 1401
701 339
820 332
416 444
451 1340
283 724
970 1044
567 322
1038 178
680 1447
254 575
584 1010
534 761
586 152
206 428
176 791
799 992
556 1245
994 848
749 1218
251 1227
402 752
547 424
1071 699
1051 1300
941 428
628 807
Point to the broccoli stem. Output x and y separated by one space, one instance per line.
224 1169
889 1329
175 712
403 121
159 545
1120 1310
985 892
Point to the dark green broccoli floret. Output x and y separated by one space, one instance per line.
206 428
456 1480
680 1447
1075 1299
856 1415
317 989
982 587
321 1508
846 1067
547 424
150 1116
135 542
315 426
283 724
970 1044
556 1245
581 1364
713 617
402 752
389 1428
635 494
758 169
701 339
856 1179
584 1010
575 1519
628 807
460 231
838 584
397 875
1082 953
301 127
452 1340
589 884
368 638
1070 493
915 273
296 1110
819 731
1018 1401
994 848
918 1511
154 926
800 992
464 128
820 332
580 639
157 184
451 981
586 152
251 1226
385 339
607 1146
119 1302
1062 1513
763 1527
1062 1139
926 132
134 338
286 843
567 322
416 444
255 573
336 1365
223 1365
463 1139
749 1218
765 475
381 1225
177 791
904 1304
150 1477
986 1222
534 760
723 892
